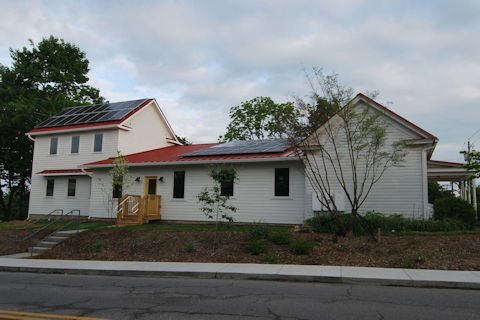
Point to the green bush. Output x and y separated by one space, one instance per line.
190 247
396 223
259 231
257 246
302 247
271 258
96 246
281 237
455 208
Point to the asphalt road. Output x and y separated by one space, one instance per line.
179 298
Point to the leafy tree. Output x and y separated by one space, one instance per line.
214 203
473 162
183 140
258 119
348 153
44 79
436 191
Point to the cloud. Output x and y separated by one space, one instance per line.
200 58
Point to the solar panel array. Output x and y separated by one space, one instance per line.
92 114
243 147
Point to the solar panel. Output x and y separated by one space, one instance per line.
91 114
243 147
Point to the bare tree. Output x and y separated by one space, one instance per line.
349 151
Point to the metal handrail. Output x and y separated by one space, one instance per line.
71 212
48 216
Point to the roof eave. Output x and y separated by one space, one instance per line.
194 162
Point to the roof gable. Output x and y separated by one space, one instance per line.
421 133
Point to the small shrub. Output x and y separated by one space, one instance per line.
190 247
96 246
412 262
454 208
259 231
257 246
302 247
271 258
281 238
407 263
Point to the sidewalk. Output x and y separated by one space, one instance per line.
283 272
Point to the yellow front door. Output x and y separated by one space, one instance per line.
151 205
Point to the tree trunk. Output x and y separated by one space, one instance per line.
351 222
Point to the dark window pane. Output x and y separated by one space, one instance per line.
226 188
72 184
152 186
50 187
75 144
282 183
117 187
53 145
97 143
179 184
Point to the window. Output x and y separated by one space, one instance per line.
97 142
117 187
75 144
179 184
282 183
226 188
53 145
152 186
72 184
50 187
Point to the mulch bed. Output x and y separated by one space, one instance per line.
425 252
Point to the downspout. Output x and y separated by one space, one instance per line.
30 137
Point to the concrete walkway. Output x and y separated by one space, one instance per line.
331 274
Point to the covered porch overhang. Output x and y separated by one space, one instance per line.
455 173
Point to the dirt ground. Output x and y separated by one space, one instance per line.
425 252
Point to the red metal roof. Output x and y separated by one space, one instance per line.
444 164
64 172
174 154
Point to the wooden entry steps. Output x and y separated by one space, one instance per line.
136 209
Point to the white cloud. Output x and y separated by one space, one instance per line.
199 58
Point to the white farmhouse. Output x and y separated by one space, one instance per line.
74 153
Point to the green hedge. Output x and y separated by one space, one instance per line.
324 223
455 208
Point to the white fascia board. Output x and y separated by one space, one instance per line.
93 128
177 163
60 174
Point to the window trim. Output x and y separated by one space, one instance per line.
53 145
98 145
77 145
177 187
277 191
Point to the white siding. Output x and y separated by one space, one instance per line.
40 204
148 132
253 193
401 188
42 160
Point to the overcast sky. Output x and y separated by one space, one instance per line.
200 58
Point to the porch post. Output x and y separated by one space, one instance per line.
474 194
462 190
